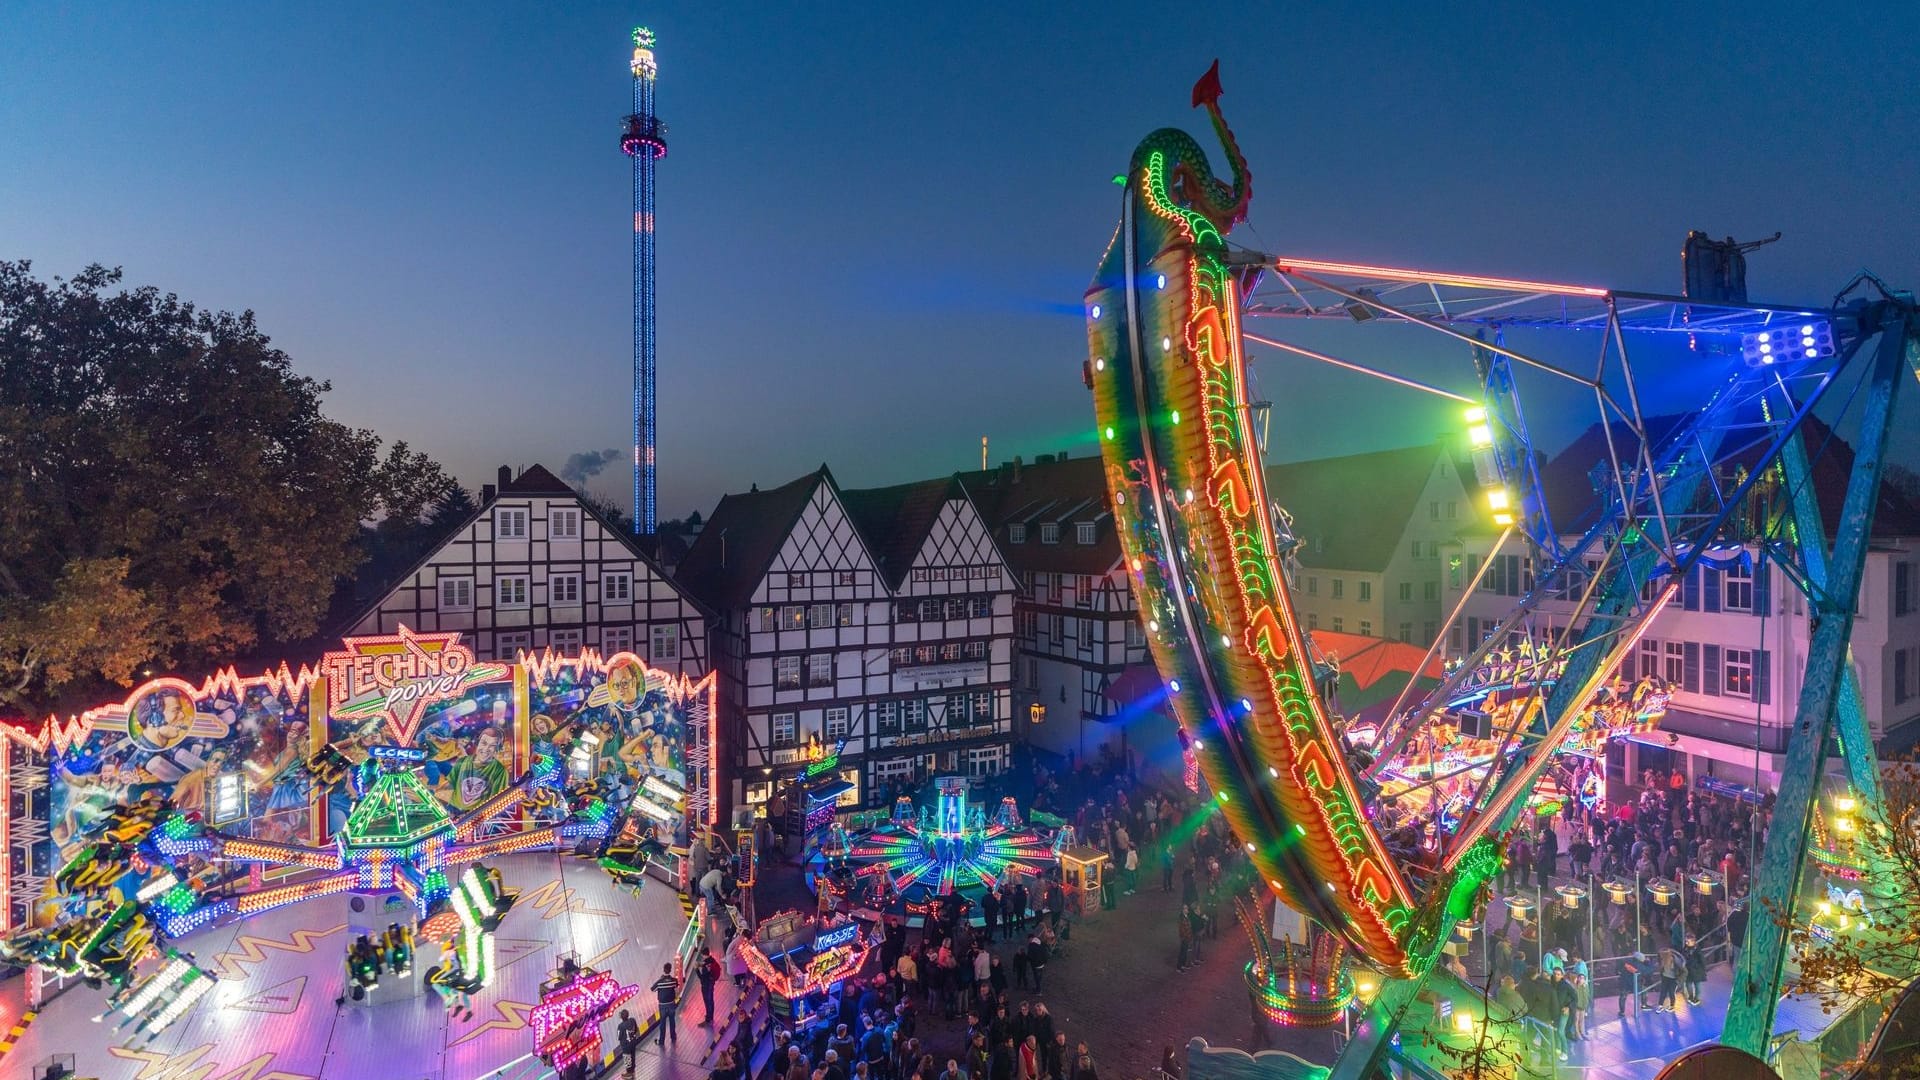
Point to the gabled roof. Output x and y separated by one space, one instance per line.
897 520
737 545
1568 477
1350 512
1063 492
536 480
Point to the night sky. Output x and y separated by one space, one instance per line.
875 225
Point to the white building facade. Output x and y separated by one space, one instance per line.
537 569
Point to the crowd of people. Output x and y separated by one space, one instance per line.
1653 951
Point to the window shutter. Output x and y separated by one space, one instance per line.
1710 590
1690 668
1762 687
1762 588
1711 662
1690 591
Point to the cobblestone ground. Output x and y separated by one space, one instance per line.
1118 988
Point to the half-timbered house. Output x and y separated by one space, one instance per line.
537 568
806 583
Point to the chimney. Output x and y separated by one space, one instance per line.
1016 468
1061 456
723 549
506 477
487 493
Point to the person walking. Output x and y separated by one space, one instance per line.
1036 959
1166 867
708 973
1736 932
990 908
666 992
628 1036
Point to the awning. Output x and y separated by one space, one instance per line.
832 789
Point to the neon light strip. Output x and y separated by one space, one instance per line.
1428 277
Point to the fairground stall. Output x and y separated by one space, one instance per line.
343 835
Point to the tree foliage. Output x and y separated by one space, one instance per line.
171 491
1876 963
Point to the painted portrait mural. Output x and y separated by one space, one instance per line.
242 752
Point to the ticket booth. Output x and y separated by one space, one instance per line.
1081 868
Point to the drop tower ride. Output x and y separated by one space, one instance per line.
644 141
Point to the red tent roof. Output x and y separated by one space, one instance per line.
1366 660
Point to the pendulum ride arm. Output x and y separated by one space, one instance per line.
1756 983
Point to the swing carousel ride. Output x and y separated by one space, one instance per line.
1208 545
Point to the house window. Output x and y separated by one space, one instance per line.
1033 674
976 650
1017 533
564 525
1313 585
1083 590
886 773
901 657
950 652
1085 631
1050 532
786 673
1366 628
1135 636
820 615
566 642
986 760
957 714
456 594
510 523
886 717
931 610
564 589
1406 590
1433 511
1416 549
1675 654
616 639
618 589
1902 677
820 669
1339 588
796 581
909 611
926 654
784 729
510 591
508 646
956 608
1432 590
1339 624
843 615
666 643
1649 657
983 707
980 607
1366 590
1406 632
1902 588
1427 631
913 715
793 617
1453 510
769 620
1083 532
1737 677
1738 584
836 724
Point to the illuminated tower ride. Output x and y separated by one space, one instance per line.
644 140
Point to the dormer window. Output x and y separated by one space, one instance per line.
1050 532
1017 533
1083 532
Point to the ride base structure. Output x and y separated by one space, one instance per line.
1210 549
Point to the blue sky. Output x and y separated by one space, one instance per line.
875 221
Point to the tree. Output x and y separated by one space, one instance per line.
170 490
1856 960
